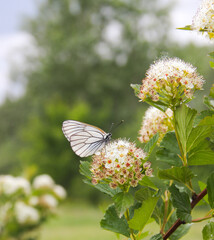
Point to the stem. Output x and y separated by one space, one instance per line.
202 219
176 134
131 230
170 214
165 212
179 222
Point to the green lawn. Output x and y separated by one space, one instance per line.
81 222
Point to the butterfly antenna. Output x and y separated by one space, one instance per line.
115 126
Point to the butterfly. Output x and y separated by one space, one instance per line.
85 139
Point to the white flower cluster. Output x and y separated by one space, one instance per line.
10 185
171 81
47 192
155 121
26 214
121 164
204 18
27 205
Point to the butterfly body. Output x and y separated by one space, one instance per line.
85 139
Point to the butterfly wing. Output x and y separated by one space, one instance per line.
85 139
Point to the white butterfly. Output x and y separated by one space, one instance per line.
85 139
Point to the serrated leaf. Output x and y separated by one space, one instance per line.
85 169
197 136
142 214
207 121
151 144
156 237
208 231
184 119
182 204
112 222
143 194
201 155
136 88
210 189
202 115
103 187
122 202
147 182
198 147
169 150
179 174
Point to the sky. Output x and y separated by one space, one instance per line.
14 41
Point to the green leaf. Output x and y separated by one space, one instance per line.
211 64
181 202
207 121
179 174
208 231
158 104
169 150
103 187
114 223
202 115
212 91
199 148
122 202
210 189
201 155
211 54
184 119
156 237
85 169
143 194
187 27
136 88
148 183
209 103
142 214
151 144
142 235
198 135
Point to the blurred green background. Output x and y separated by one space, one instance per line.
86 55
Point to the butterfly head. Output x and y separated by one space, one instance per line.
108 137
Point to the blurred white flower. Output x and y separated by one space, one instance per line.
43 181
26 214
24 207
59 191
33 201
10 185
48 201
203 20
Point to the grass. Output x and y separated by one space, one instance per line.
80 221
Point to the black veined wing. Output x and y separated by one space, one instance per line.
85 139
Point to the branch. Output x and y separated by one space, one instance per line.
196 199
